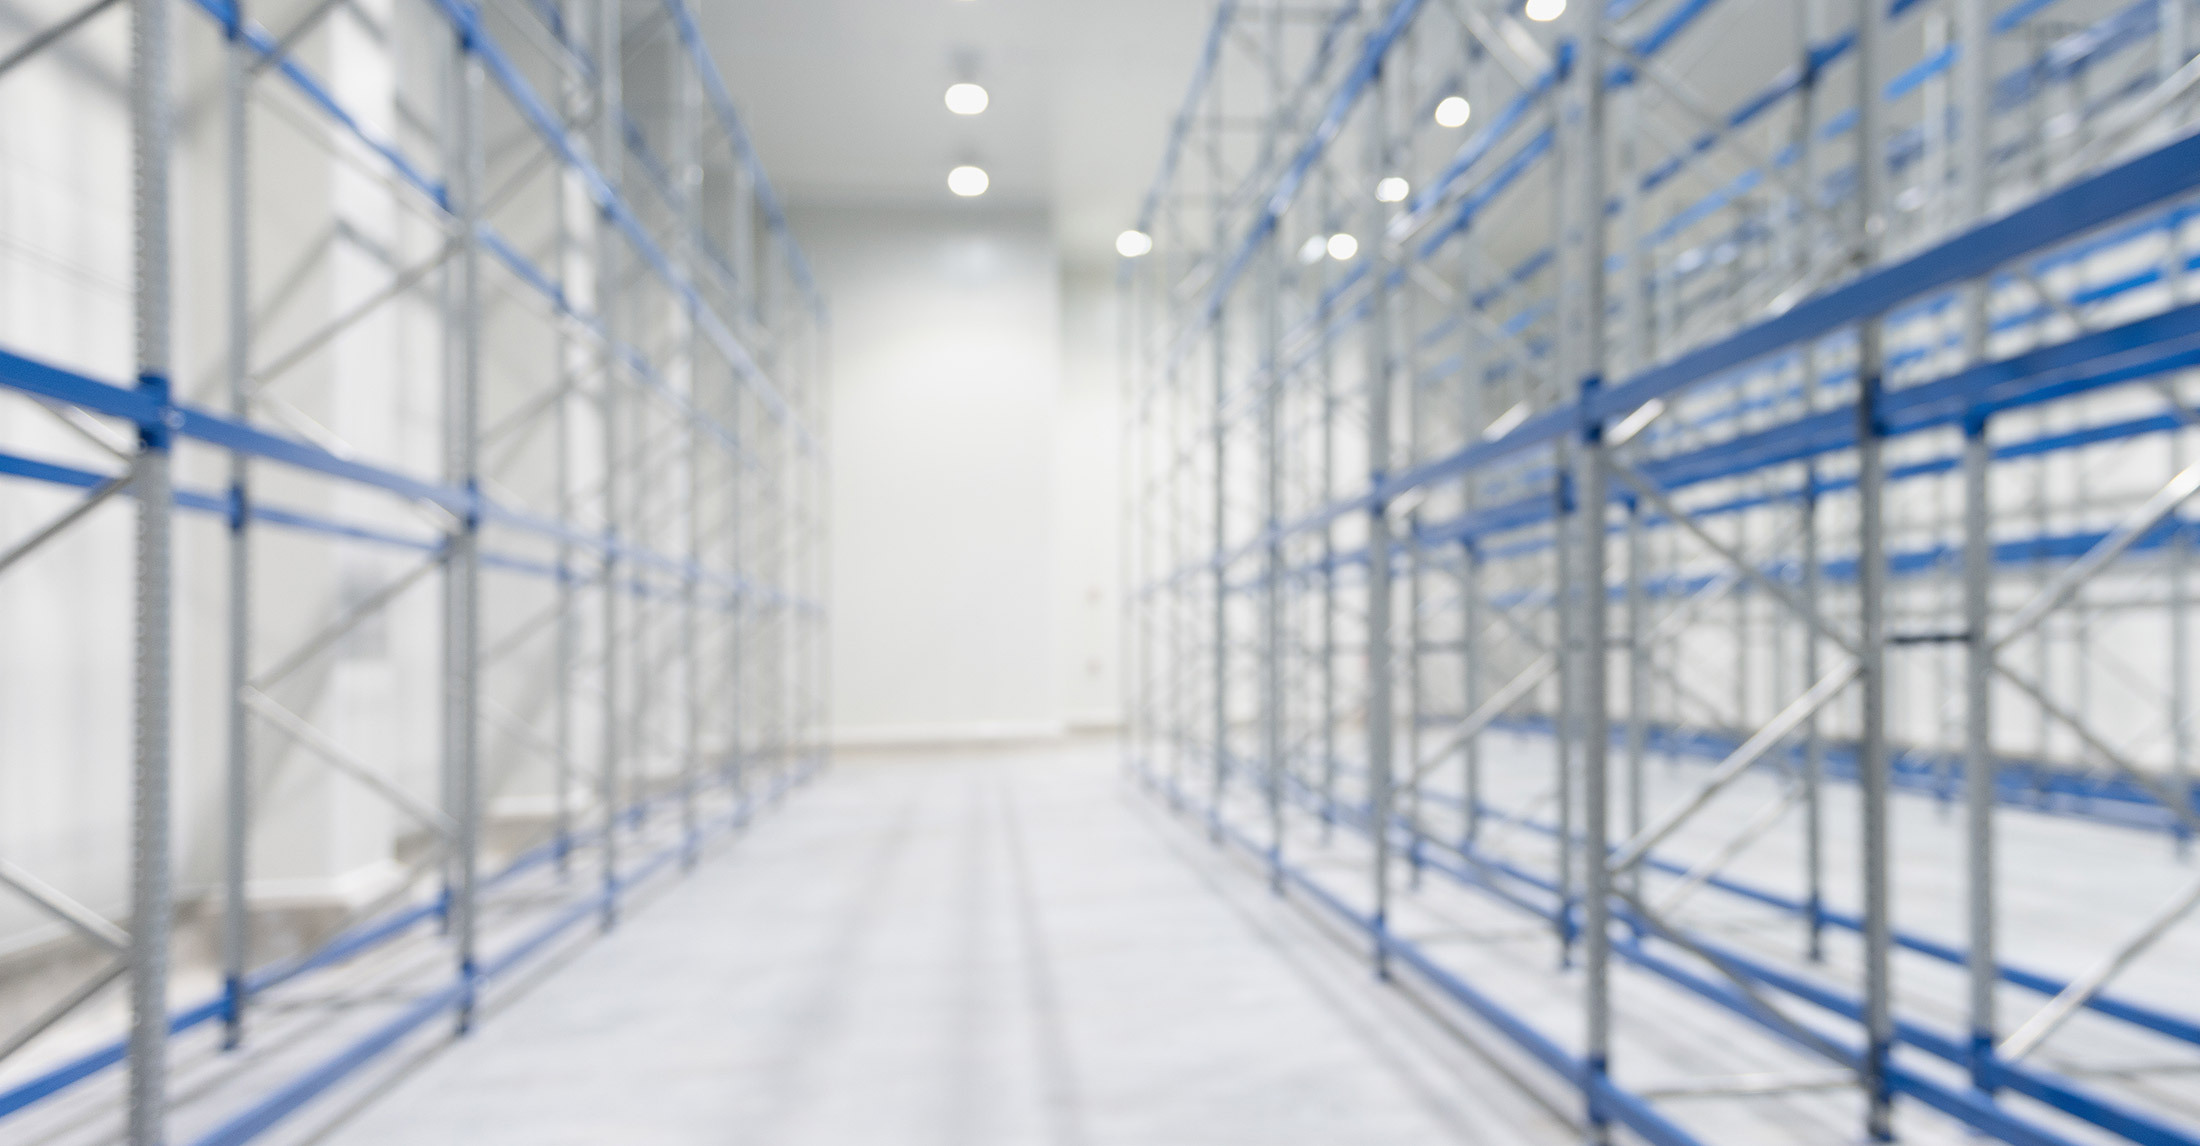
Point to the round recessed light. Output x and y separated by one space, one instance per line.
1132 244
967 99
1453 112
1392 189
968 182
1544 11
1342 246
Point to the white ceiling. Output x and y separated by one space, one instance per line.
843 98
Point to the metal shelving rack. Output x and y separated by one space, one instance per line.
1816 412
627 525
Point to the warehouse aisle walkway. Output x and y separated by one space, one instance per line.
960 950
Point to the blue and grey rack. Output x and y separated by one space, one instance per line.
1576 450
494 297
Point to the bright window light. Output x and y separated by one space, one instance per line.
1393 190
967 99
968 182
1544 11
1132 244
1342 246
1453 112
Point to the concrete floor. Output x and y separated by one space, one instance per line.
961 948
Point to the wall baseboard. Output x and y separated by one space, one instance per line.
1095 724
349 890
976 733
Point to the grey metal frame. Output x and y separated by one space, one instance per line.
721 351
1406 622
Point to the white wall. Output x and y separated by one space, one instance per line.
1089 501
973 501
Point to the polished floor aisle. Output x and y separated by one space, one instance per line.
960 949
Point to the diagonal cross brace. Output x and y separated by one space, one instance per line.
1802 708
2126 534
1763 822
2083 988
88 923
2182 809
1649 492
336 630
59 525
319 743
62 1008
1542 669
47 38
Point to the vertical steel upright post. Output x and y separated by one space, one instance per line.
736 700
1635 351
1978 558
1326 363
1810 16
1564 509
1475 421
607 145
1181 448
1272 573
1219 535
1564 518
1596 732
1974 34
1741 593
1814 744
462 570
788 632
687 146
237 777
567 634
1871 583
1397 160
152 893
2173 54
770 673
2179 558
645 534
445 58
744 261
1413 634
1470 668
1638 676
1380 703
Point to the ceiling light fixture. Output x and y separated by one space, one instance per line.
1544 11
1312 251
967 99
968 181
1392 189
1342 247
1453 112
1132 244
